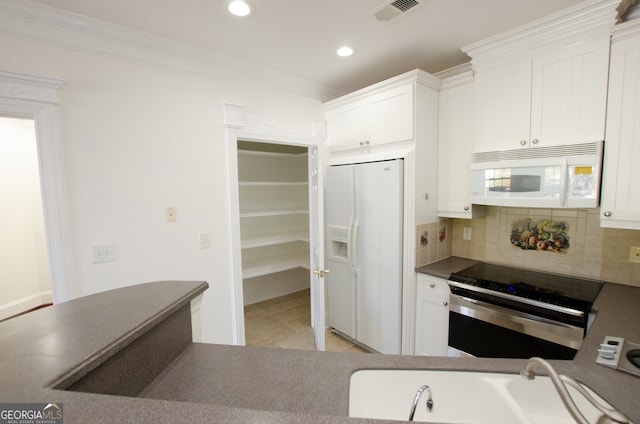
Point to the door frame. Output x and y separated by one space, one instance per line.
34 97
250 126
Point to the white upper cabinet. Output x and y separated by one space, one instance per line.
553 98
381 114
569 94
455 146
347 125
620 206
545 83
391 115
503 107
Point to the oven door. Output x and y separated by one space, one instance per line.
484 330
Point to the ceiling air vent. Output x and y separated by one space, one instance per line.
389 11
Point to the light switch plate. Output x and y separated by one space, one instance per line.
103 253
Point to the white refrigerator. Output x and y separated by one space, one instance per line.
364 232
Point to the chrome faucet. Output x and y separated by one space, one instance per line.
560 381
416 399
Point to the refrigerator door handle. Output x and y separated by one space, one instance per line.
354 246
349 233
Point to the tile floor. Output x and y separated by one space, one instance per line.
284 322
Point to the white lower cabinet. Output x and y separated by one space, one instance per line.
432 316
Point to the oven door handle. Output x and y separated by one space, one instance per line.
542 328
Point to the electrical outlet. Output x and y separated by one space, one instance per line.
466 233
103 253
172 214
634 254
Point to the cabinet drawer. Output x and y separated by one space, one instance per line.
433 285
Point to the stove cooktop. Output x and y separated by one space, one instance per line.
542 287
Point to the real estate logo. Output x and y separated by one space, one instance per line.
31 413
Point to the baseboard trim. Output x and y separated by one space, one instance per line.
25 304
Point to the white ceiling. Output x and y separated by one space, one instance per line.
300 37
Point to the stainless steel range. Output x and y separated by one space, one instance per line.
504 312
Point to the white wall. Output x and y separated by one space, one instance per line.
24 274
136 140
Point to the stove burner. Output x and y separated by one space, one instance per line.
499 284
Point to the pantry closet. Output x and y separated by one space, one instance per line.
273 191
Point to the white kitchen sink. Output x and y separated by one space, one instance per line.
462 397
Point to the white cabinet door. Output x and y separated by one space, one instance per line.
432 316
558 97
383 117
391 115
569 92
455 146
502 107
620 206
347 125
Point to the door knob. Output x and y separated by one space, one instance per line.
321 272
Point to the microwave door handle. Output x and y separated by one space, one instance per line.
564 182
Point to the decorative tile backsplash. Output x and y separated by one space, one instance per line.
574 242
433 242
545 235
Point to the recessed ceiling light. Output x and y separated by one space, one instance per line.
345 51
239 8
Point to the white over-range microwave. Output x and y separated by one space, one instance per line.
566 176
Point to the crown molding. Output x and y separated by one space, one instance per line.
236 117
29 87
625 30
42 24
588 20
457 80
453 71
417 76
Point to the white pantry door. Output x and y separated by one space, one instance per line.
316 246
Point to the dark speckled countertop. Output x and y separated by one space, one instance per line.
215 383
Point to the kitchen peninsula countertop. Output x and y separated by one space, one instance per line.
56 346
